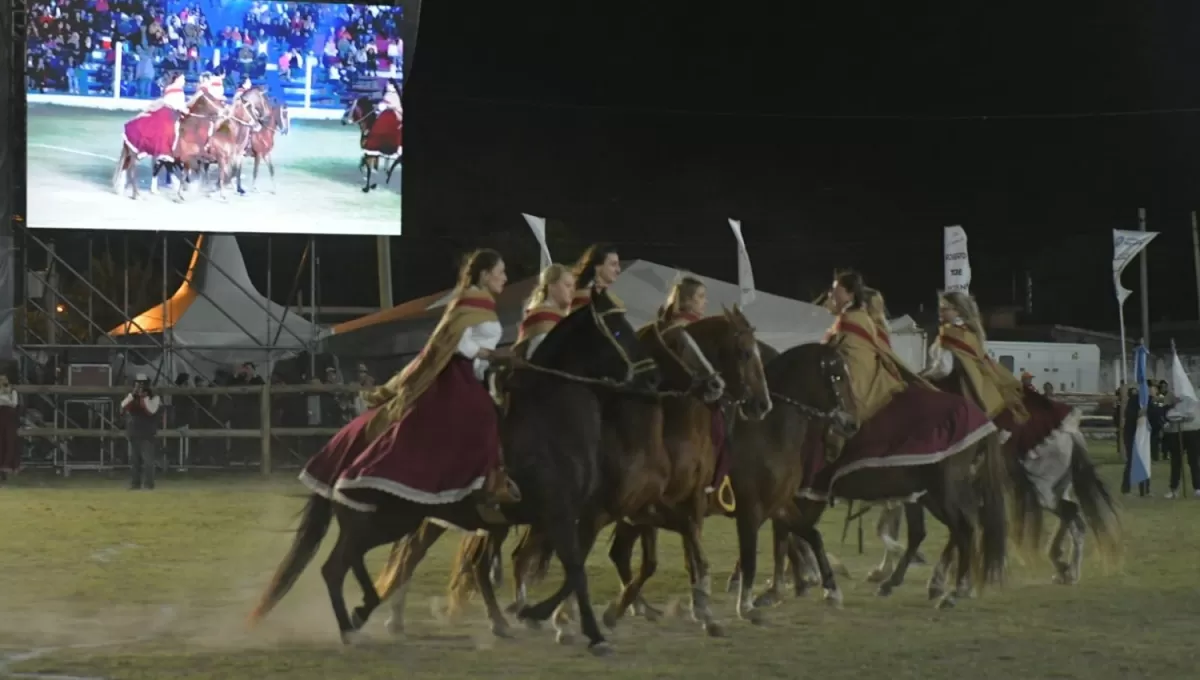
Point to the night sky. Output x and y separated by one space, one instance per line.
840 133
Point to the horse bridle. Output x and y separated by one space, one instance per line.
838 415
697 381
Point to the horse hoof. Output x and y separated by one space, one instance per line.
601 649
395 626
753 616
501 630
358 618
366 189
877 575
610 617
920 559
352 638
767 599
530 622
885 589
946 603
833 598
514 608
651 614
714 629
374 187
564 638
801 590
936 593
733 584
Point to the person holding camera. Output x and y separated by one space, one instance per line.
141 425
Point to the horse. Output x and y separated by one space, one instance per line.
684 369
1058 477
274 118
194 128
229 143
810 384
549 439
362 112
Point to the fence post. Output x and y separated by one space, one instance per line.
308 81
265 418
117 62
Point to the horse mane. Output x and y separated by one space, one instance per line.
794 363
549 352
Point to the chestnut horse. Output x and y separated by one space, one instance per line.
230 142
195 127
684 369
272 116
550 440
364 114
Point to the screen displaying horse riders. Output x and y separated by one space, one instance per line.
230 115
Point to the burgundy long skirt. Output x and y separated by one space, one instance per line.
1045 416
386 135
154 133
441 452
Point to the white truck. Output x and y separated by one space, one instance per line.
1070 367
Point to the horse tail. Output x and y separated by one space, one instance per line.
535 547
1027 510
1095 501
314 523
992 483
122 157
471 551
403 558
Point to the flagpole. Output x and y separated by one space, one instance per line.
1196 255
1145 283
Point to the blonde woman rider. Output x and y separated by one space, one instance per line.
549 304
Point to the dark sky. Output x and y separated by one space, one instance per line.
841 133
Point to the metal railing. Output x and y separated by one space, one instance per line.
101 420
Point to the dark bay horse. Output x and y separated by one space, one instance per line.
364 114
811 389
195 127
549 441
683 368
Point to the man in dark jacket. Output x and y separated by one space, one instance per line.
141 425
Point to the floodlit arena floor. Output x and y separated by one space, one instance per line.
72 153
100 582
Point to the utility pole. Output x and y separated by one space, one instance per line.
1145 283
1196 257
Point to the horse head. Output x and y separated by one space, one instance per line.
360 113
683 364
728 340
596 341
255 101
814 378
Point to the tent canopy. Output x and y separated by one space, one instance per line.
217 316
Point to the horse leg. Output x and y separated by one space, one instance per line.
887 528
401 565
486 589
366 166
621 553
271 169
698 567
334 572
960 542
810 512
360 532
1056 547
748 520
222 177
237 170
937 579
375 167
120 172
780 542
391 169
916 535
254 174
1078 536
572 541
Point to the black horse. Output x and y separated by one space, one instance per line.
550 442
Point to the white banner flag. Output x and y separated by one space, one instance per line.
1181 385
1126 245
957 264
745 273
538 225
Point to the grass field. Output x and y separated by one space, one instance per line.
100 582
72 153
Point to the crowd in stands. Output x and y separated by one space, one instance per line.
70 41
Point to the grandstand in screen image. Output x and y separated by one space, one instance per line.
319 70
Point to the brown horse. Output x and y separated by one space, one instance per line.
195 127
364 114
811 386
549 438
684 369
230 142
272 116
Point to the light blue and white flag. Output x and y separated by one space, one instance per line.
1139 470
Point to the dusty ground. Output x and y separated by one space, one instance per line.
72 153
96 581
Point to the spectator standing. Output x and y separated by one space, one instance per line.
10 444
1185 418
140 407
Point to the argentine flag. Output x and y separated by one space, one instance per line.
1139 470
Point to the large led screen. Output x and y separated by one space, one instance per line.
216 116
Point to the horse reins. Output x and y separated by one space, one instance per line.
697 380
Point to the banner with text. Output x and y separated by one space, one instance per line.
957 263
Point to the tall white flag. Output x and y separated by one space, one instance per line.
1181 385
538 225
957 264
1126 245
745 273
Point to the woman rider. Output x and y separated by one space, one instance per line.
686 303
438 431
550 302
959 359
598 268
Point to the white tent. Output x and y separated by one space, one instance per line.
216 318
